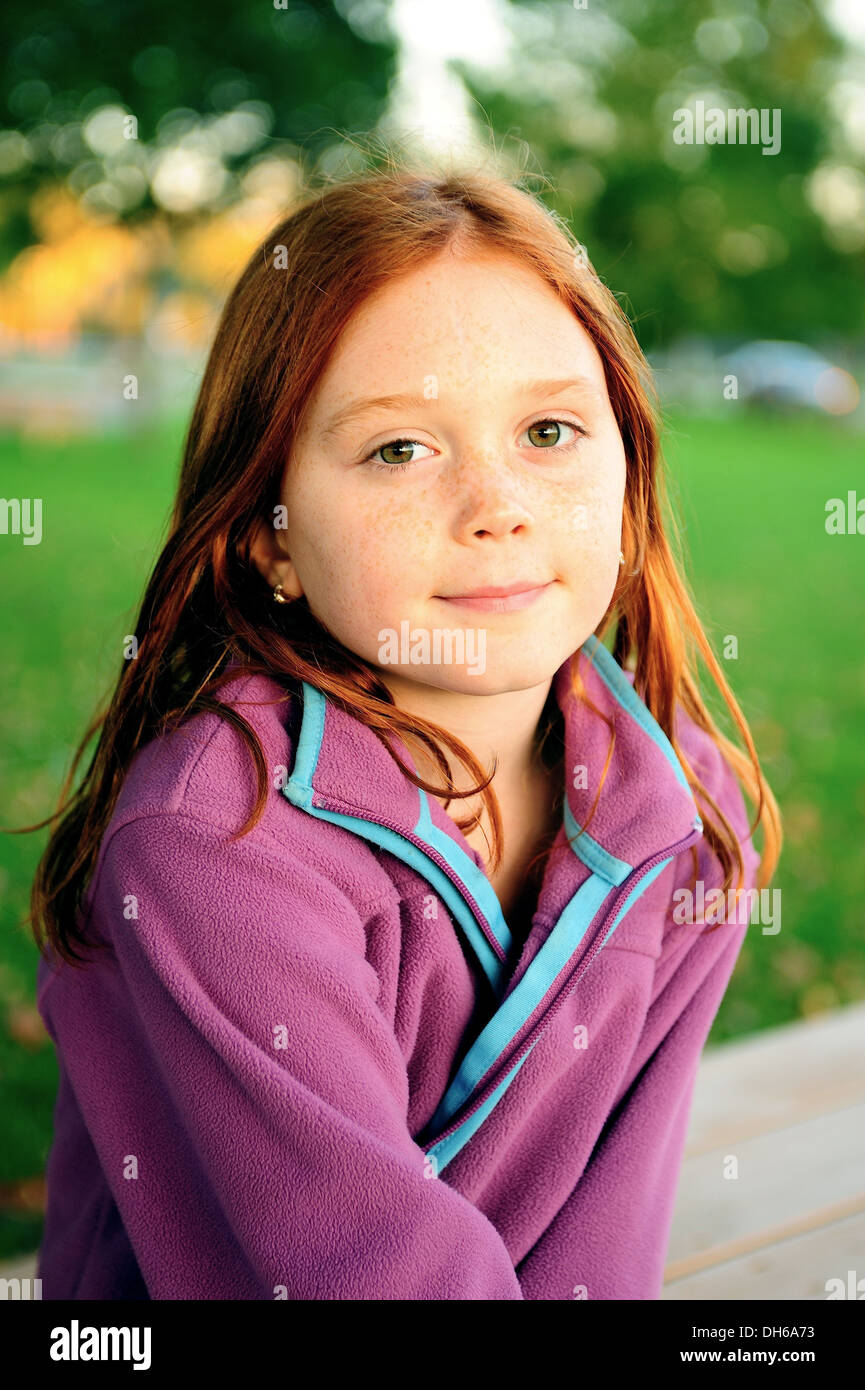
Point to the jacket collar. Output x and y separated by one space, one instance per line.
645 803
342 773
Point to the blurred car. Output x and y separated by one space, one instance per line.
786 374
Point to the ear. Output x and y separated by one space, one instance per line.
272 561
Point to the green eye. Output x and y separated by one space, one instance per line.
400 446
395 455
395 446
546 434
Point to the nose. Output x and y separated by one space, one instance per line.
489 498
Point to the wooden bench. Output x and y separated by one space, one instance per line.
787 1106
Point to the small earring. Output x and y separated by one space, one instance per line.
279 595
621 557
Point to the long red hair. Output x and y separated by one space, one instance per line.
206 604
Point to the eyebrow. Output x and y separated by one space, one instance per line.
409 401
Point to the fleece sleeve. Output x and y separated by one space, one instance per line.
610 1239
260 1090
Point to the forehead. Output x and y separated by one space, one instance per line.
488 313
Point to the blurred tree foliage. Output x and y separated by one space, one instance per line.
321 67
714 238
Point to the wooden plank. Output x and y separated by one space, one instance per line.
795 1268
764 1236
777 1078
789 1105
782 1177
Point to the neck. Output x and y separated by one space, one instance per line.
502 728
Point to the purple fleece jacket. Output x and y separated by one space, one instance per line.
312 1067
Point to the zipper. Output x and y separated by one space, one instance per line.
578 970
430 853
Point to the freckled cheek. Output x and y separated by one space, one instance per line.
583 532
397 562
370 557
587 519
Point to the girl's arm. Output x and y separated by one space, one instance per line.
235 1051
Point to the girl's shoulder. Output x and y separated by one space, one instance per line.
205 771
203 766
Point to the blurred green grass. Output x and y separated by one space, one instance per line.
751 490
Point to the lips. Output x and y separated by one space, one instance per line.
499 598
522 586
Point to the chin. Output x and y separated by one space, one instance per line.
496 679
474 660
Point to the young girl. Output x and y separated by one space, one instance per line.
338 1014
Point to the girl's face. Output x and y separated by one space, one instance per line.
461 438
